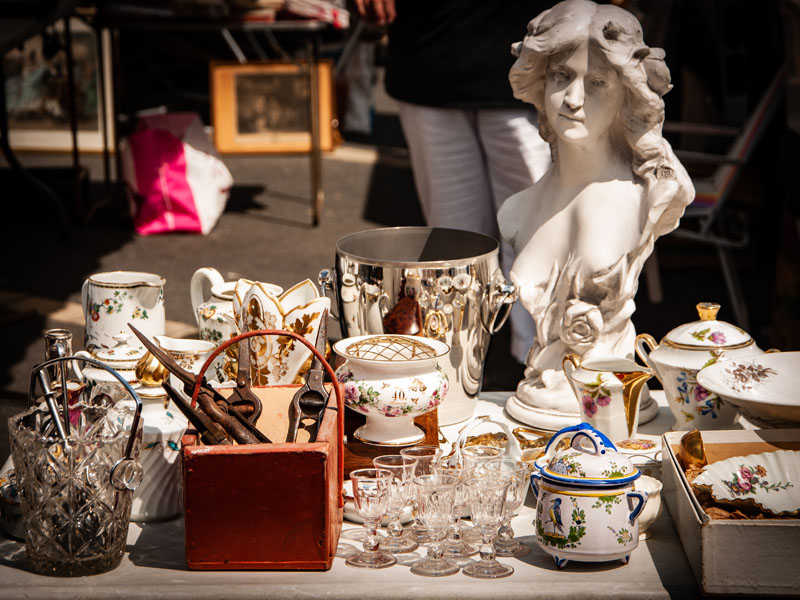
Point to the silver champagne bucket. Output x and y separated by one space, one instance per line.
444 284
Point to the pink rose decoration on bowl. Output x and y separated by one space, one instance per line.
718 337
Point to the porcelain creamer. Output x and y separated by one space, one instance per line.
587 509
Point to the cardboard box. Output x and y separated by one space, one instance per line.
266 506
733 556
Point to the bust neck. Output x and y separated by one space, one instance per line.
582 164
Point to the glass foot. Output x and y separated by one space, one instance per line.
459 549
512 549
471 535
490 569
432 567
371 560
398 545
418 534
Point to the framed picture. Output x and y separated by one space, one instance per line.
37 98
264 107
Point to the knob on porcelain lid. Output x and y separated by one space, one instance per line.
708 332
123 355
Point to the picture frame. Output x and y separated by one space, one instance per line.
37 93
263 107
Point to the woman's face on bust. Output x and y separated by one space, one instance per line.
583 95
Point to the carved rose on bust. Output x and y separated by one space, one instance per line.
581 325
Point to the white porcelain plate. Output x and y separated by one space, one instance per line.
763 386
770 480
351 514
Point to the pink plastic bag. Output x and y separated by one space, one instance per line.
176 179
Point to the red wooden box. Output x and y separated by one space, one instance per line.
266 506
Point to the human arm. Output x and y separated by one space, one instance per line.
379 12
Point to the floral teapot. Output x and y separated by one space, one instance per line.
587 507
686 350
214 315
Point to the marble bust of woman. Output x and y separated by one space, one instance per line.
583 232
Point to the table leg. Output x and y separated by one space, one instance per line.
317 195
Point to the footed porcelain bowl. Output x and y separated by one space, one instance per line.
391 379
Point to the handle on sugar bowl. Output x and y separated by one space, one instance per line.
637 510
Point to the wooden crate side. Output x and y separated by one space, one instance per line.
261 509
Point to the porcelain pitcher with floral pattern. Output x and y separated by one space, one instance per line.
608 390
112 300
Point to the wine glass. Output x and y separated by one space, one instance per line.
371 492
435 496
487 499
400 493
518 473
472 458
454 546
426 456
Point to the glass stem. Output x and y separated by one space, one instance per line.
395 528
506 533
487 552
372 541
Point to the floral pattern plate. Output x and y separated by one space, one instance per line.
770 480
764 386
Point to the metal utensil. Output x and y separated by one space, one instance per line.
218 408
311 400
209 431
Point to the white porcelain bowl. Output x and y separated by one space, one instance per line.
391 379
765 387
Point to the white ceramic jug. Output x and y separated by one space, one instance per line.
112 300
215 315
608 389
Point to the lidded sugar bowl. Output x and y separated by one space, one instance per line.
587 508
391 379
686 350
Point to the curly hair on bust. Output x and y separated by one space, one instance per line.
617 37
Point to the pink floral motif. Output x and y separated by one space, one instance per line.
589 407
744 485
604 400
745 473
718 337
700 393
351 392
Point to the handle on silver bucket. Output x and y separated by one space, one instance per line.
327 279
502 295
117 475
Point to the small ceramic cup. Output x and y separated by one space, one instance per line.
653 508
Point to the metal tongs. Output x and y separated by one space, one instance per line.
227 413
311 400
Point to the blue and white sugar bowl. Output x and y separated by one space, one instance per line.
587 506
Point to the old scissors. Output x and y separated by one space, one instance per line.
311 400
224 411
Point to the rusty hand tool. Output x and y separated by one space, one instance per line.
210 432
218 408
311 400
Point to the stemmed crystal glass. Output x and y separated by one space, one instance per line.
518 473
435 496
472 459
426 456
487 499
454 546
400 493
371 488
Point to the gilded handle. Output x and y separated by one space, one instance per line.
642 340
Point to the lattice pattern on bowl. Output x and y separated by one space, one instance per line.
390 348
